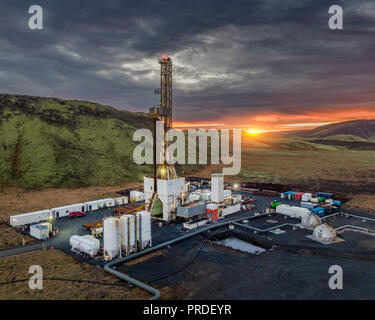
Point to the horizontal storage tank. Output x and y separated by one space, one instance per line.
128 234
64 211
144 229
87 245
111 237
212 211
191 210
291 211
31 217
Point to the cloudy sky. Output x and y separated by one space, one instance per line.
257 63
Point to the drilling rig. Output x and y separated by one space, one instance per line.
165 188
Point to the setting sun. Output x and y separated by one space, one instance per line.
253 131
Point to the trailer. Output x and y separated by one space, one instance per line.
99 204
64 211
86 246
31 217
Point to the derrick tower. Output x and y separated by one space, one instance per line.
163 112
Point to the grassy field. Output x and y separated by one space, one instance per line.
59 265
10 238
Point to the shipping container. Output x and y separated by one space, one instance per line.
40 231
318 211
231 209
306 197
64 211
191 210
31 217
307 205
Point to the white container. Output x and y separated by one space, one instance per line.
231 209
237 198
40 231
227 193
144 229
194 197
111 237
121 200
306 197
206 195
137 195
64 211
315 200
31 217
85 244
282 195
99 204
329 201
128 234
217 187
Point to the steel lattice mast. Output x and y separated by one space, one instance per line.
164 113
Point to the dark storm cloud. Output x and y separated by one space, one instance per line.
230 57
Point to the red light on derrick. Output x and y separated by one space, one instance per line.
164 58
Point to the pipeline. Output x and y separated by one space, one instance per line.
155 292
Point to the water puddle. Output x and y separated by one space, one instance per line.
240 245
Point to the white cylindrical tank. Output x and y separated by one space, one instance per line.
311 221
111 237
128 233
324 233
144 229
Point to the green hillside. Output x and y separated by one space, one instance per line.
48 142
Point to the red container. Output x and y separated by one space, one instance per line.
298 196
212 211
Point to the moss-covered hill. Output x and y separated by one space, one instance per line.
48 142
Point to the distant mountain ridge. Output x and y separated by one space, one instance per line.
364 129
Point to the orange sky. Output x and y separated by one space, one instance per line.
269 122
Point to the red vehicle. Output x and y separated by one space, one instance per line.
76 214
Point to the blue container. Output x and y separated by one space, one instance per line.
336 203
320 212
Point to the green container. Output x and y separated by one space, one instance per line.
321 199
157 208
